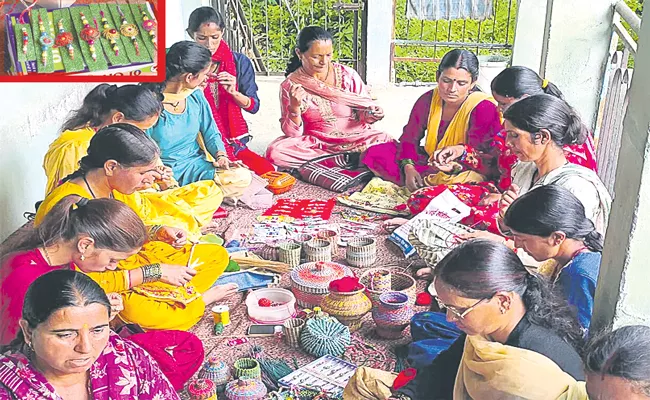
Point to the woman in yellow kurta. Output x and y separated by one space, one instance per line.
453 113
122 159
194 204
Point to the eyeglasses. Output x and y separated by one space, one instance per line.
458 313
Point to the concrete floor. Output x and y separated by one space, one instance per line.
265 126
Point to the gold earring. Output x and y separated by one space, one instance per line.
503 311
82 257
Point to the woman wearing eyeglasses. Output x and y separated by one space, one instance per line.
518 341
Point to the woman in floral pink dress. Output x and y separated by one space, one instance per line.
65 349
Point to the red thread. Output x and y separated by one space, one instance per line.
21 17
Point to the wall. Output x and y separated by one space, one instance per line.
31 117
379 38
577 48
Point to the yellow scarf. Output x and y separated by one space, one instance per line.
456 132
491 370
176 97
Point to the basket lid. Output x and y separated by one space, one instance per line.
319 274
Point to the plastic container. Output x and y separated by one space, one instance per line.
274 314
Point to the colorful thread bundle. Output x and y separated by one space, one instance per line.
64 39
111 34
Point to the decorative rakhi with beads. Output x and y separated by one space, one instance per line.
89 34
129 30
149 25
64 39
111 34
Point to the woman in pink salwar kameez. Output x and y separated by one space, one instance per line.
326 107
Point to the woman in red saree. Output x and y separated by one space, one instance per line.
496 163
326 107
231 88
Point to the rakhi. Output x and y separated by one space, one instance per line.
89 35
149 25
64 39
45 40
25 40
129 30
111 34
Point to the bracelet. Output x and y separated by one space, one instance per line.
151 273
294 114
219 156
407 161
153 232
463 156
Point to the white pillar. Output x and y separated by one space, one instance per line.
529 33
624 281
379 38
577 48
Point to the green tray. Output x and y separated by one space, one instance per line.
36 33
100 64
128 44
122 58
75 64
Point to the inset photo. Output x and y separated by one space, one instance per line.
46 40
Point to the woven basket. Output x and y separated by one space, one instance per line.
361 252
246 389
202 389
433 239
332 237
318 250
324 335
217 371
269 252
310 281
290 254
291 331
247 368
400 282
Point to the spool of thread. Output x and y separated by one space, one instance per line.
221 313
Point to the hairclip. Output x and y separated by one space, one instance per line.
129 30
45 40
111 34
89 35
64 39
81 203
149 25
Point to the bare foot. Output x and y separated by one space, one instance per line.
219 292
424 273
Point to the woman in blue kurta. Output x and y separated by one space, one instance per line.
230 90
186 132
549 223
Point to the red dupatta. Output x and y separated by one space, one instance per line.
227 114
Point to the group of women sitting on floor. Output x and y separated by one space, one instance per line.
139 170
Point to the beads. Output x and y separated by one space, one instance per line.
25 39
89 34
45 40
64 39
129 30
149 25
111 34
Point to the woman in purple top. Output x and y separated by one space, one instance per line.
453 113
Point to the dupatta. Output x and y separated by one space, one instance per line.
491 370
227 114
317 88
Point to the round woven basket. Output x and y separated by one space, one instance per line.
247 368
433 239
361 252
318 250
400 282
